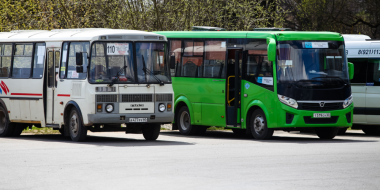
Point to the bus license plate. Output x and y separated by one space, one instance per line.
321 115
138 120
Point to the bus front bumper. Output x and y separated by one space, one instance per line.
289 117
131 118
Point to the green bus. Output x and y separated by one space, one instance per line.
255 82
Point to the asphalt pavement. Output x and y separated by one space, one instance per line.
217 160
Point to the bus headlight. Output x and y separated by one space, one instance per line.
348 101
161 107
288 101
109 108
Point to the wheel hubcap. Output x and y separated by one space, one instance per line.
74 124
258 124
2 122
185 120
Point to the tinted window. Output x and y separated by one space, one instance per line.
373 72
176 51
22 61
5 59
360 67
39 58
62 74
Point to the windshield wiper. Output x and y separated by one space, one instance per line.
146 70
117 75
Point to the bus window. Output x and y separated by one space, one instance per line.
175 49
373 73
360 65
5 59
215 56
62 74
38 62
192 59
71 65
22 61
258 67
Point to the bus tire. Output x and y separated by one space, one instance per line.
184 122
326 132
151 131
6 127
78 132
342 131
259 127
371 130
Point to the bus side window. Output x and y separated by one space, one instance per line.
62 71
192 59
71 65
360 65
5 59
257 65
215 56
38 62
373 71
22 61
176 50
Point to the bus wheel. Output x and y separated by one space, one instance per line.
342 131
258 125
6 128
326 132
151 131
371 130
184 122
78 132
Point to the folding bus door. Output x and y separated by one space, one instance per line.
53 57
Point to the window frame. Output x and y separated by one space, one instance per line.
11 64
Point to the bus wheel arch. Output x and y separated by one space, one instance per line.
257 124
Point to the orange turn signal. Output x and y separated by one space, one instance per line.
169 105
99 106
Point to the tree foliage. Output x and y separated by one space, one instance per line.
149 15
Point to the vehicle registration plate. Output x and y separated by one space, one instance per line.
138 120
321 115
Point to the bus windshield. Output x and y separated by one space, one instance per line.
151 67
113 62
312 64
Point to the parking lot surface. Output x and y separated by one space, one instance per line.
217 160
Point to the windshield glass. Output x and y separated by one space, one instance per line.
312 64
151 63
112 62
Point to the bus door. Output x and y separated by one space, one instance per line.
53 57
234 65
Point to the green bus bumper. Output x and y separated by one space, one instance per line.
304 118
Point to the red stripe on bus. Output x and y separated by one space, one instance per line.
25 94
65 95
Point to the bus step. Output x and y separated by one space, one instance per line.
238 125
54 126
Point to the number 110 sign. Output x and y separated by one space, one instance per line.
117 49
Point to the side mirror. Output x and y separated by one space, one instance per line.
81 60
172 62
350 70
271 49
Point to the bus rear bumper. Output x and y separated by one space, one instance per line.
125 118
293 118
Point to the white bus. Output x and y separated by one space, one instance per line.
75 80
364 53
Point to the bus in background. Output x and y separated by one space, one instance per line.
255 82
364 53
75 80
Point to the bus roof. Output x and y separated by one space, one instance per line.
355 37
80 34
280 35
